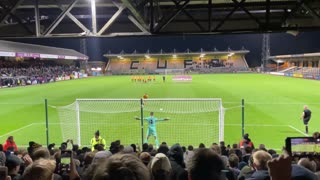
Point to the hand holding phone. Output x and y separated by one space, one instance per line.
303 146
65 161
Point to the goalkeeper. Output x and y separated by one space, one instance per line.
152 130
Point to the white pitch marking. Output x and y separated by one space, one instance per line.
17 130
298 130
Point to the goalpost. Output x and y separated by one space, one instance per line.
192 120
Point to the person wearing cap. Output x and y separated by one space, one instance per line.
97 140
246 142
10 143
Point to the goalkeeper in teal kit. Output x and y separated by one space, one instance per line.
152 130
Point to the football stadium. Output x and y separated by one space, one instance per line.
148 90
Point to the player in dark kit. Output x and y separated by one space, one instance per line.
306 116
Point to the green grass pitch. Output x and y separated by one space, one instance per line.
273 105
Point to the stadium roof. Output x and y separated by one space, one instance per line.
186 53
77 18
291 56
14 49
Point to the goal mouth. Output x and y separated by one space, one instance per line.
184 120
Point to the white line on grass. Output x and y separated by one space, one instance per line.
9 133
298 130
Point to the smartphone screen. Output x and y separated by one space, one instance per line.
303 146
65 160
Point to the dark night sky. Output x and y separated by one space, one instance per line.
281 43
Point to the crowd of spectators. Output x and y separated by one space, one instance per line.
30 72
175 162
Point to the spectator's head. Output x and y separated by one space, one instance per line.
201 145
40 153
123 167
88 158
134 147
262 147
216 149
235 146
184 149
316 135
10 139
41 169
233 160
145 147
225 161
163 148
114 147
145 157
151 113
222 143
63 146
128 150
101 156
121 147
248 150
272 152
75 147
205 164
160 167
260 159
246 136
150 147
305 162
190 148
175 153
13 163
1 147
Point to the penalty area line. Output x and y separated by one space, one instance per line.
9 133
298 130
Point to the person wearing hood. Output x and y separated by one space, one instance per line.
175 156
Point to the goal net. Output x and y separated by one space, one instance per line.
192 121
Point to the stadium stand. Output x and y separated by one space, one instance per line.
204 62
31 72
133 162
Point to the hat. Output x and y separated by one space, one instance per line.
176 153
13 160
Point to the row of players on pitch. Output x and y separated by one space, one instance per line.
143 79
152 130
146 79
